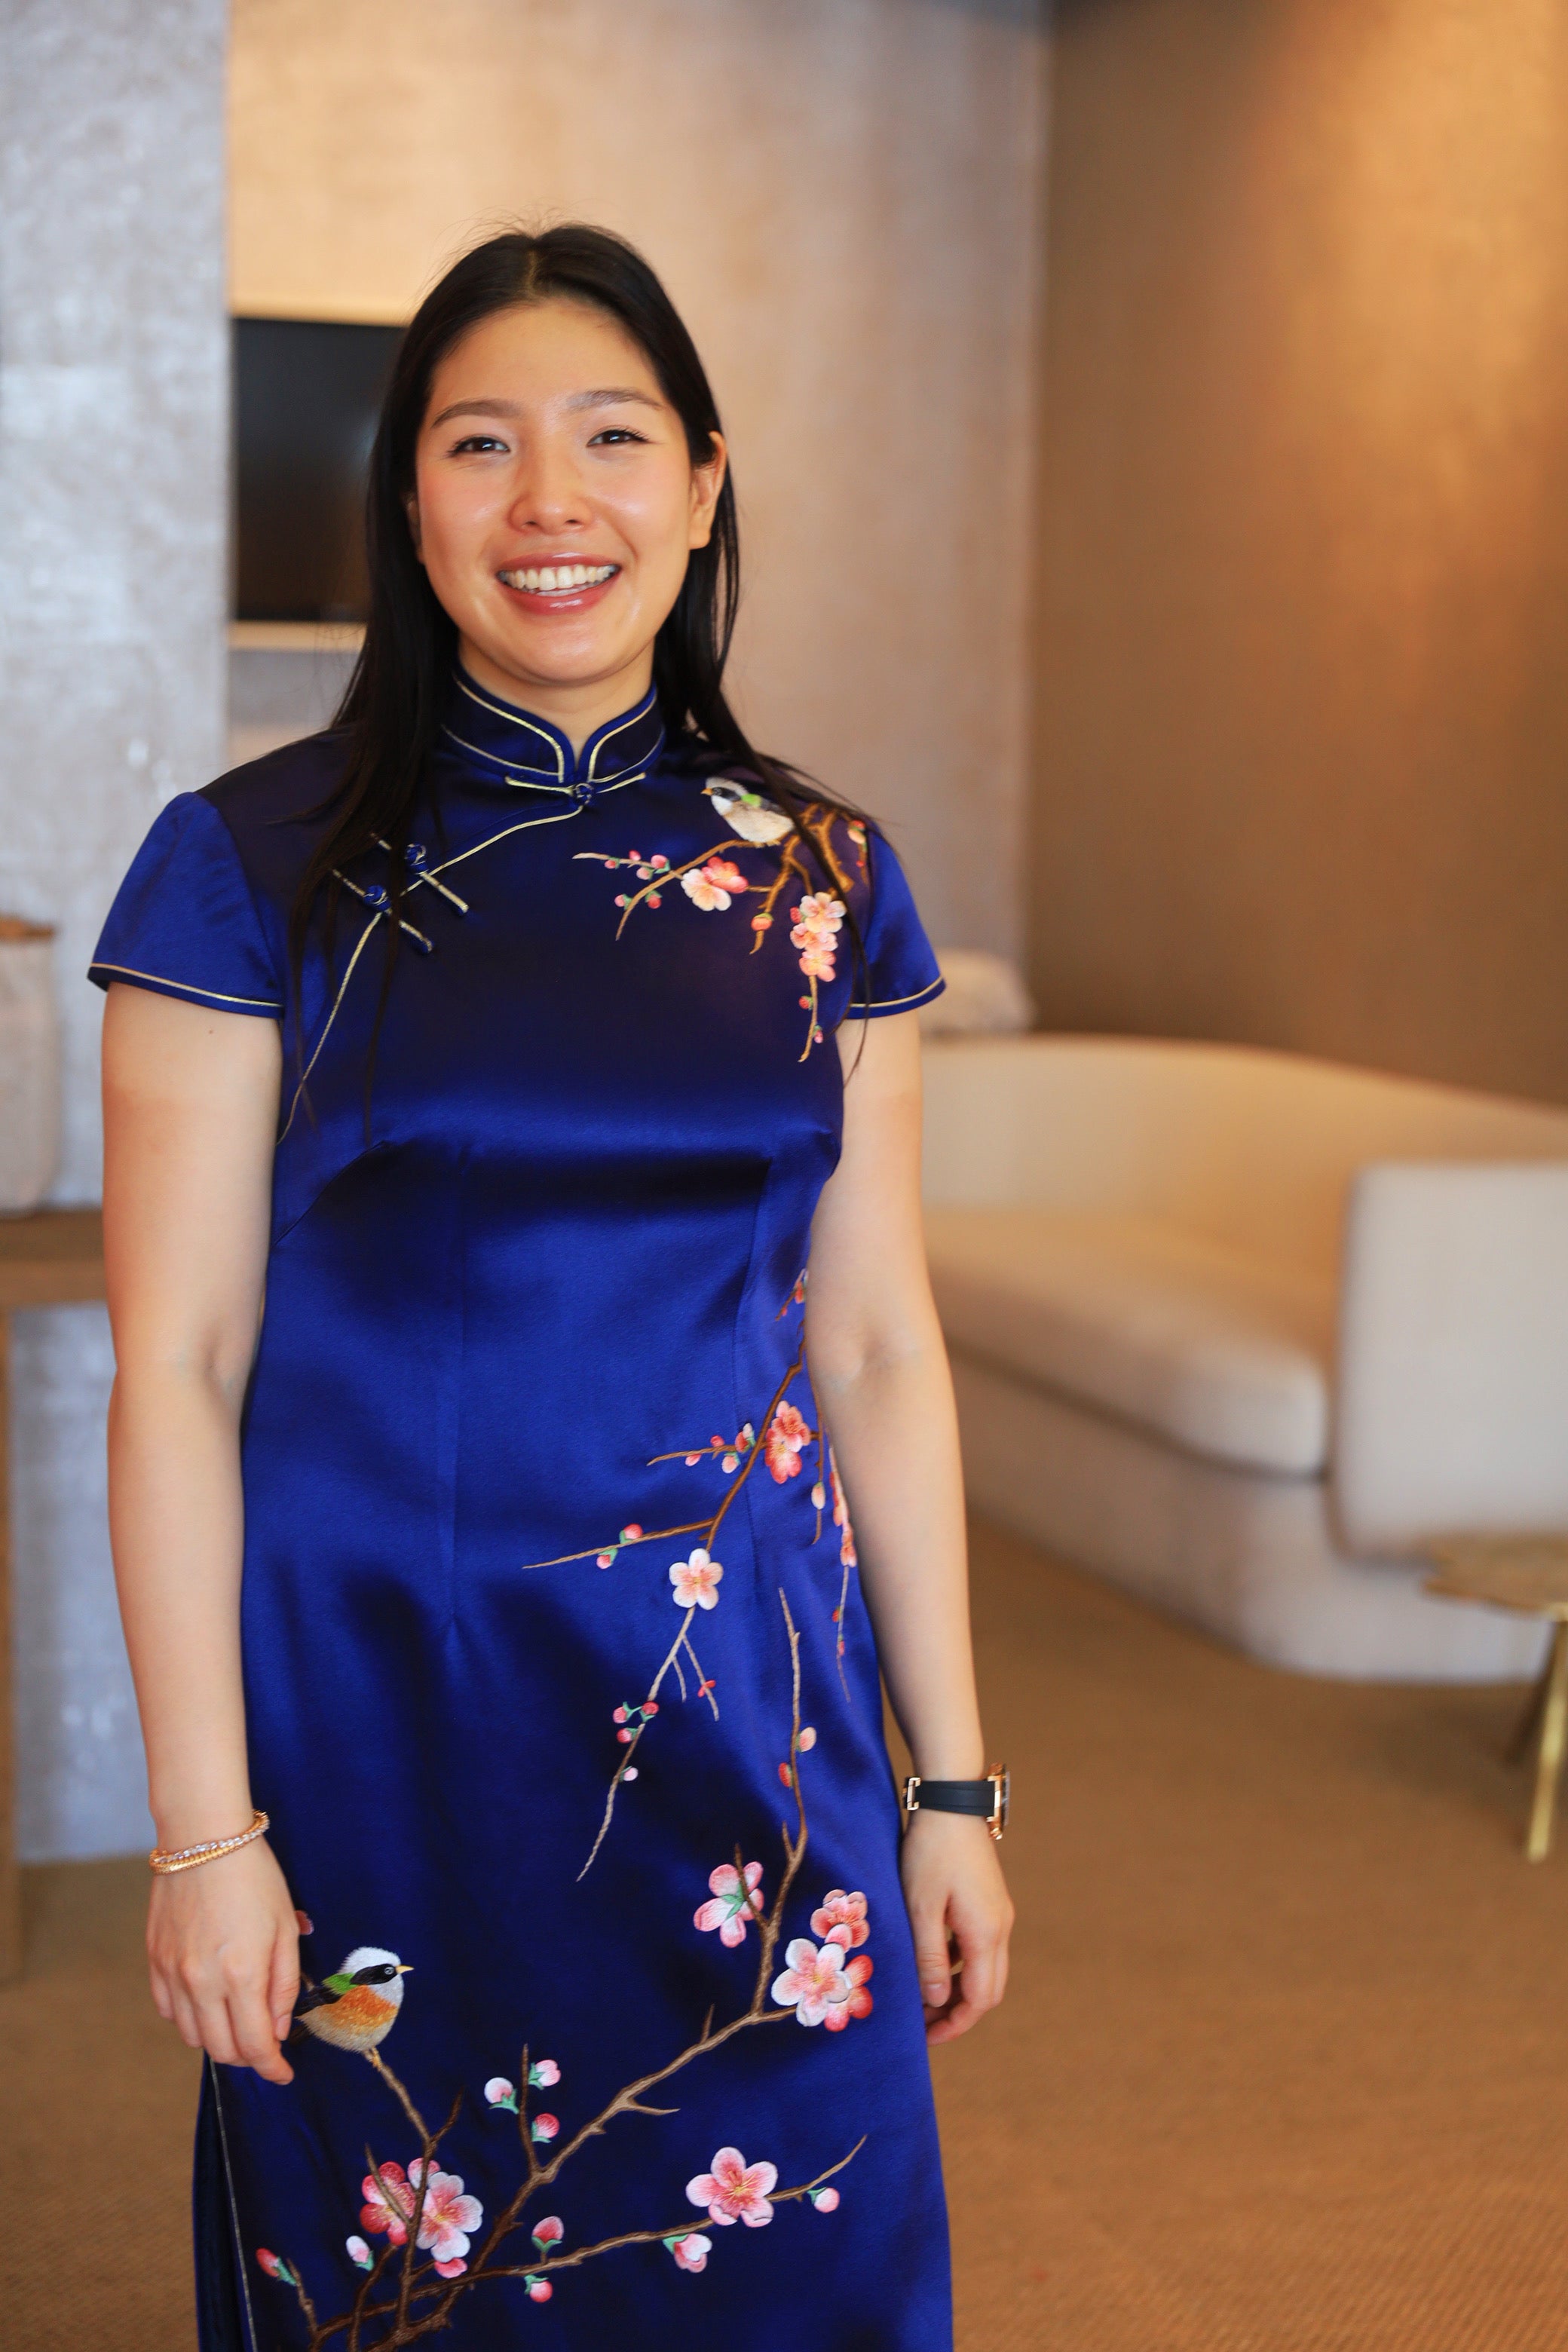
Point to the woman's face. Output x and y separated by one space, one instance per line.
554 506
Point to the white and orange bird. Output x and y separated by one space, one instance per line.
355 2007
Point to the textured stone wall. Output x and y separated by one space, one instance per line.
842 196
113 431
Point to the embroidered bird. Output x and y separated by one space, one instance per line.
747 813
354 2008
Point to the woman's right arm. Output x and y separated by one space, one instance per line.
190 1101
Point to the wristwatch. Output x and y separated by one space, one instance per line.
988 1797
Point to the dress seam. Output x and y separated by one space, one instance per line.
233 2207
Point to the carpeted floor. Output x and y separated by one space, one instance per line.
1284 2069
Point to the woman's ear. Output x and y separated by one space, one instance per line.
411 509
707 481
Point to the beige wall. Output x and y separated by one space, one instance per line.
1301 752
842 196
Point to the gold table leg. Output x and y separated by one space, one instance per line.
1554 1739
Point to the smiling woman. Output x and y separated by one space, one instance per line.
504 1040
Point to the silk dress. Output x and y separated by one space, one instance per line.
562 1695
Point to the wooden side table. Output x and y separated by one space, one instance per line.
1528 1573
53 1258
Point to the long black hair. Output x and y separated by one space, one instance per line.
390 713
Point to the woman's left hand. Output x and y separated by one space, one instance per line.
956 1896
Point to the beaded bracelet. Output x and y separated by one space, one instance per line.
166 1863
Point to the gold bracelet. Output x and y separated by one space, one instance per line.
188 1856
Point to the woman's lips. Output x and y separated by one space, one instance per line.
563 588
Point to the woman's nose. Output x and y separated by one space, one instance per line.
548 494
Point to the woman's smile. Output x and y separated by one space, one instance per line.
554 584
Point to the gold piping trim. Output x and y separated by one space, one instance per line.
516 719
859 1011
162 980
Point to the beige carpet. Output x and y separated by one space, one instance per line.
1285 2064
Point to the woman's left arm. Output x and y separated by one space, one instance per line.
879 1370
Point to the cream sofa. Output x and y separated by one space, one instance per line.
1240 1329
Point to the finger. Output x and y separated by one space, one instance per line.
183 2010
213 2026
163 1999
283 1989
250 2027
932 1962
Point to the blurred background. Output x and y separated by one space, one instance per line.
1150 426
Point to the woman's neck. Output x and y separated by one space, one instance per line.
579 708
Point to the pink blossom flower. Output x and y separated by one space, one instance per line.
856 1972
842 1919
452 2269
546 2127
691 2254
807 1740
501 2093
275 2266
358 2252
734 2190
302 1920
826 2200
733 1905
788 1435
538 2290
388 2203
841 1514
712 886
446 2215
696 1581
812 1982
543 2074
817 919
550 2232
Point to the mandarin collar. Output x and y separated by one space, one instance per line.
518 748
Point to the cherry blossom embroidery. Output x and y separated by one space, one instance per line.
734 1904
814 1981
712 881
859 2004
696 1583
788 1435
694 1580
841 1919
388 2205
691 2254
734 2190
712 886
427 2211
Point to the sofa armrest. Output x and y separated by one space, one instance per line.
1451 1404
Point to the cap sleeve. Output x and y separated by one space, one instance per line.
183 922
901 970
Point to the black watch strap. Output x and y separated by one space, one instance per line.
987 1798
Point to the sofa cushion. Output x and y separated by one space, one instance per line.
1214 1350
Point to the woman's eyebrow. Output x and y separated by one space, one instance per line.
608 395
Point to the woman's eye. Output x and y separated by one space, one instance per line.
614 433
475 441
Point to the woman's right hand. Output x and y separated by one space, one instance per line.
223 1944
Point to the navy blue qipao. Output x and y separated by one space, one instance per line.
561 1694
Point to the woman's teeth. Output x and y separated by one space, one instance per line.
558 579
